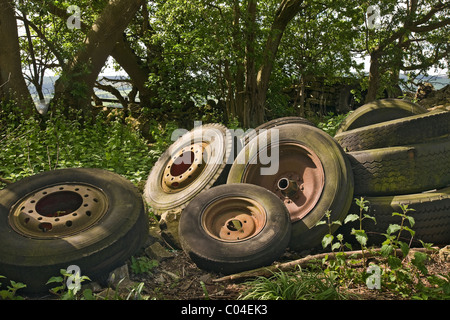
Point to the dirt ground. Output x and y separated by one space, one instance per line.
178 278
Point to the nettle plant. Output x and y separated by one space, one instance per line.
402 272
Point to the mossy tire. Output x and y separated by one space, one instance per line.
311 167
380 111
189 167
91 218
431 218
215 244
273 124
408 130
402 170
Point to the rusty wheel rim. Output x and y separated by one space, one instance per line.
184 167
233 219
58 211
299 181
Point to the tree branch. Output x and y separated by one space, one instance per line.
304 262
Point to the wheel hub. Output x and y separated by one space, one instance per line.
58 211
184 167
299 181
233 219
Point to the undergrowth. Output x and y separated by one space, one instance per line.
393 267
32 145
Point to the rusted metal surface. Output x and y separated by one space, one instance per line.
299 181
58 211
233 219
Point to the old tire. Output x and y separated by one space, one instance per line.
273 124
234 227
402 170
408 130
380 111
91 218
182 171
312 176
431 214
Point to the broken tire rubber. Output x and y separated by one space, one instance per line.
402 170
312 175
234 227
198 160
380 111
431 215
91 218
408 130
273 124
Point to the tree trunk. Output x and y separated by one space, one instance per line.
284 14
12 82
75 87
374 77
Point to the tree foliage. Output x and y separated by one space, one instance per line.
233 56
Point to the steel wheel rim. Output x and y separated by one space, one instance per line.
183 168
58 211
299 181
233 219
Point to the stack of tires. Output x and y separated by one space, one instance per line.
400 154
233 204
238 203
235 201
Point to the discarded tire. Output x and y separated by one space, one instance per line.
234 227
431 214
311 175
273 124
380 111
198 160
408 130
403 169
91 218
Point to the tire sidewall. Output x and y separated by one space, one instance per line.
226 256
102 246
338 184
160 200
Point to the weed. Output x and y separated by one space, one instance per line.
69 286
143 265
10 293
301 285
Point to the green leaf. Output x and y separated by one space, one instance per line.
411 221
419 261
55 279
360 236
404 247
370 217
386 250
351 218
393 228
327 239
412 232
394 262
